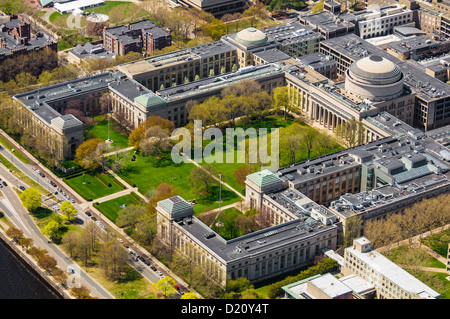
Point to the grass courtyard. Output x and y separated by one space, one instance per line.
147 172
100 130
94 185
112 207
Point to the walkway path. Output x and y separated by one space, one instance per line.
216 178
416 242
81 205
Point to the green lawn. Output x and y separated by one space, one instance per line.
438 242
148 172
270 121
95 186
100 130
112 207
413 257
127 9
10 147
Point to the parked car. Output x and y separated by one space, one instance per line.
93 218
88 213
153 268
22 188
4 184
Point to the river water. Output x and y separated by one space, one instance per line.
17 281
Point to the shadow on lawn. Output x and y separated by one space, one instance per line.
214 195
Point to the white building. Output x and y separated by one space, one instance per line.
390 281
71 6
380 21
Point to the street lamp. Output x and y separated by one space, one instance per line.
109 119
219 223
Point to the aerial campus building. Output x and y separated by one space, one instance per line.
375 81
17 39
367 274
305 206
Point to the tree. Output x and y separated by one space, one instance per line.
309 139
26 242
353 227
156 140
70 241
138 133
351 133
68 210
92 233
37 253
80 292
318 7
89 154
31 199
60 276
240 175
226 18
189 295
252 13
54 230
291 141
201 179
259 102
215 29
14 233
48 263
113 258
130 215
282 99
167 286
162 191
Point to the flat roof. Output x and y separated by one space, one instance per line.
326 21
403 279
40 100
355 48
254 243
218 82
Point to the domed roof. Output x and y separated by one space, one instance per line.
251 36
375 68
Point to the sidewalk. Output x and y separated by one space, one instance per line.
216 178
48 173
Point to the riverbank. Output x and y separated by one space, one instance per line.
32 266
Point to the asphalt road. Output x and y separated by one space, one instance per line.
22 220
11 205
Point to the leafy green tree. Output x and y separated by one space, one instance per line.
68 210
31 199
201 179
215 29
54 230
282 99
167 286
189 295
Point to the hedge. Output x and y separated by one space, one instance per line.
325 266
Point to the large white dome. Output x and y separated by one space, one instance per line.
374 78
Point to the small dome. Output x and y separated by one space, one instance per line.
251 36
